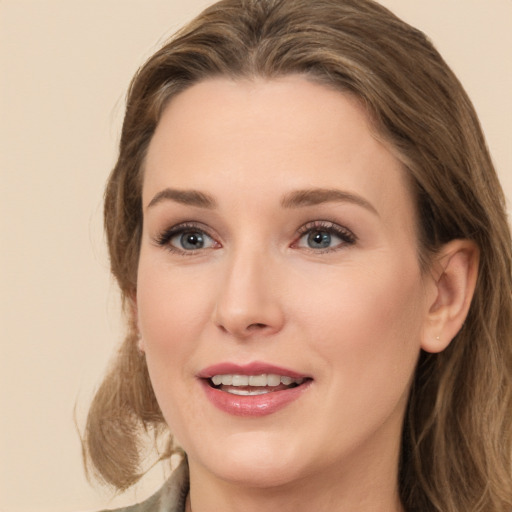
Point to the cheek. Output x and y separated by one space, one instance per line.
172 310
367 329
170 306
369 350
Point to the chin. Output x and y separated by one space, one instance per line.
255 474
255 459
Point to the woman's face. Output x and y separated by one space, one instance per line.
279 240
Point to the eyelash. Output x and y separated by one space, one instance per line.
319 226
165 238
322 226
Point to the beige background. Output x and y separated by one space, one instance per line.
65 66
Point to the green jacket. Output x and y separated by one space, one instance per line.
170 497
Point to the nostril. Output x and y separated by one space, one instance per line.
254 327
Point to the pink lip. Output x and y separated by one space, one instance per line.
254 368
255 405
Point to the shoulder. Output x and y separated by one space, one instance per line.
169 498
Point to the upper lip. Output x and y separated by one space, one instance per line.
253 368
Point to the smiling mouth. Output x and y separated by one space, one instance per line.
252 385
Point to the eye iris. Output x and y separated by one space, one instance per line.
319 239
192 240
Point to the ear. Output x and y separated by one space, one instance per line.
454 278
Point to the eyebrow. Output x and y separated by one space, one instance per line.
295 199
188 197
315 196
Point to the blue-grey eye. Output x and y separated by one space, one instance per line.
316 236
319 239
191 240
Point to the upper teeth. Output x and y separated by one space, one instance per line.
254 380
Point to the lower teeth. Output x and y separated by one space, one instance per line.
234 390
246 392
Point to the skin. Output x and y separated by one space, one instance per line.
353 316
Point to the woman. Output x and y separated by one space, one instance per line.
313 250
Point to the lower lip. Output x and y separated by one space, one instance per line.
255 405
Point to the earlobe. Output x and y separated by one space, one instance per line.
455 274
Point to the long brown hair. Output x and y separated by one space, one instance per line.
457 438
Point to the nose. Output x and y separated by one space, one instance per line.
248 302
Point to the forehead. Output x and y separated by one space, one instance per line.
269 136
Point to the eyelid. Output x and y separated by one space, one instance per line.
164 237
342 232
